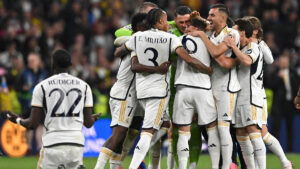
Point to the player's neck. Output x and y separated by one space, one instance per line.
219 29
60 70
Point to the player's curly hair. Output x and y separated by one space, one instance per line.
61 59
154 16
137 20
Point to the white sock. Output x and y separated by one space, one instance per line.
155 155
128 142
274 145
158 135
247 151
170 157
259 149
141 150
214 149
115 161
193 165
103 157
226 143
183 150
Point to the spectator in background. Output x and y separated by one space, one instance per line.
28 79
284 82
6 57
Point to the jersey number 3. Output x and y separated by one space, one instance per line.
70 112
155 55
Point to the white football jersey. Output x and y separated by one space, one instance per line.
225 79
152 47
266 51
125 80
250 77
187 75
63 98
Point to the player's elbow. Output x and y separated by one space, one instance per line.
88 124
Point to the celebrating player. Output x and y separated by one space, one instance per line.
64 103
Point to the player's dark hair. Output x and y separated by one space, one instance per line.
61 59
245 25
222 8
137 20
145 5
182 10
255 22
230 22
154 16
198 23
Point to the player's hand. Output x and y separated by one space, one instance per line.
10 116
164 67
96 116
297 102
195 14
230 41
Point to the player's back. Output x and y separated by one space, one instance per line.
64 97
153 47
186 74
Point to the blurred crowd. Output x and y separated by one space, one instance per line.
30 30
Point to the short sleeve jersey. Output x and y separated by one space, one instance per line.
125 80
63 98
225 79
187 75
152 47
250 77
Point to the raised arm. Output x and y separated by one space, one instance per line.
121 51
214 50
242 57
137 67
180 51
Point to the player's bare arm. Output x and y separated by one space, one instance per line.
214 50
32 122
243 58
121 51
137 67
226 62
297 100
180 51
88 117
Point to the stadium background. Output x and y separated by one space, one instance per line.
86 28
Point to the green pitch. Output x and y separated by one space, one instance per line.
204 162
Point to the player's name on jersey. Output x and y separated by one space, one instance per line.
64 82
152 40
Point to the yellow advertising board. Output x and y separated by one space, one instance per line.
13 140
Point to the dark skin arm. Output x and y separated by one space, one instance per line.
137 67
32 122
297 100
121 51
36 116
88 117
180 51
